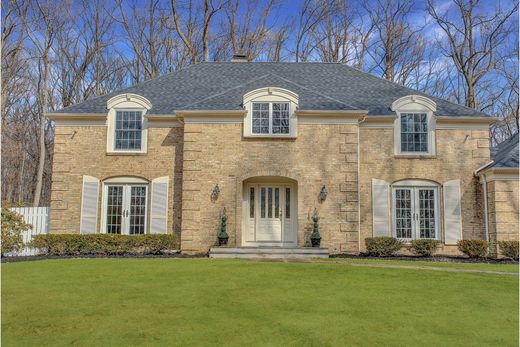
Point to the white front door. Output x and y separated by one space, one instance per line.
269 221
269 218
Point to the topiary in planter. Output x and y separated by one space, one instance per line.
383 246
473 248
509 249
424 247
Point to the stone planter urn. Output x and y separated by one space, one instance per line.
315 237
222 234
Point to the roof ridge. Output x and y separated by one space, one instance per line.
227 90
316 92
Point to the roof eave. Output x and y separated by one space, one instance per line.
466 119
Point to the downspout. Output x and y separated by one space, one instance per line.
484 187
486 222
359 186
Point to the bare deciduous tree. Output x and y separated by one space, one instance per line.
472 40
397 48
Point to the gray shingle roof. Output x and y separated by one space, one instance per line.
505 154
221 86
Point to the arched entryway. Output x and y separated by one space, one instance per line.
270 212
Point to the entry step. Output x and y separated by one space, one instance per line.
268 252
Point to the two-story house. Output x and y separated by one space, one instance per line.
272 144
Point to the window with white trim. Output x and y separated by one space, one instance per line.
270 118
270 112
128 130
127 125
415 212
414 127
414 132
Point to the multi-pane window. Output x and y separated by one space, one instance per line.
126 209
270 118
415 213
403 213
114 209
427 213
137 210
414 132
128 130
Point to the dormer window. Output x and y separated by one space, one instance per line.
414 132
270 113
129 128
126 124
270 118
414 129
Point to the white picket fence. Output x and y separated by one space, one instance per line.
38 218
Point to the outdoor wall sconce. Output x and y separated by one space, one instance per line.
323 193
215 193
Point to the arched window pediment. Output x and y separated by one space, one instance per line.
271 92
416 101
126 100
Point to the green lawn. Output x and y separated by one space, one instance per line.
201 302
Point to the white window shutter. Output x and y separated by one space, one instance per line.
159 206
452 212
89 205
380 208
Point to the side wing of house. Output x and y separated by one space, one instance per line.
117 172
417 174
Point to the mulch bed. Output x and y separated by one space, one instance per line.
438 259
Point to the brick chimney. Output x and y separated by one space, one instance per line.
239 58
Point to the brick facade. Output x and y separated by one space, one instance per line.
458 154
320 155
502 212
197 156
81 150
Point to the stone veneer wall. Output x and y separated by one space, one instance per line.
502 212
458 154
320 155
81 151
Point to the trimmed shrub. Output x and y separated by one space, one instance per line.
424 247
12 228
383 246
473 248
509 249
105 244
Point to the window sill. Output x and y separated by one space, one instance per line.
415 156
129 153
270 137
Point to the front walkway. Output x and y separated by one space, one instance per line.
394 266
